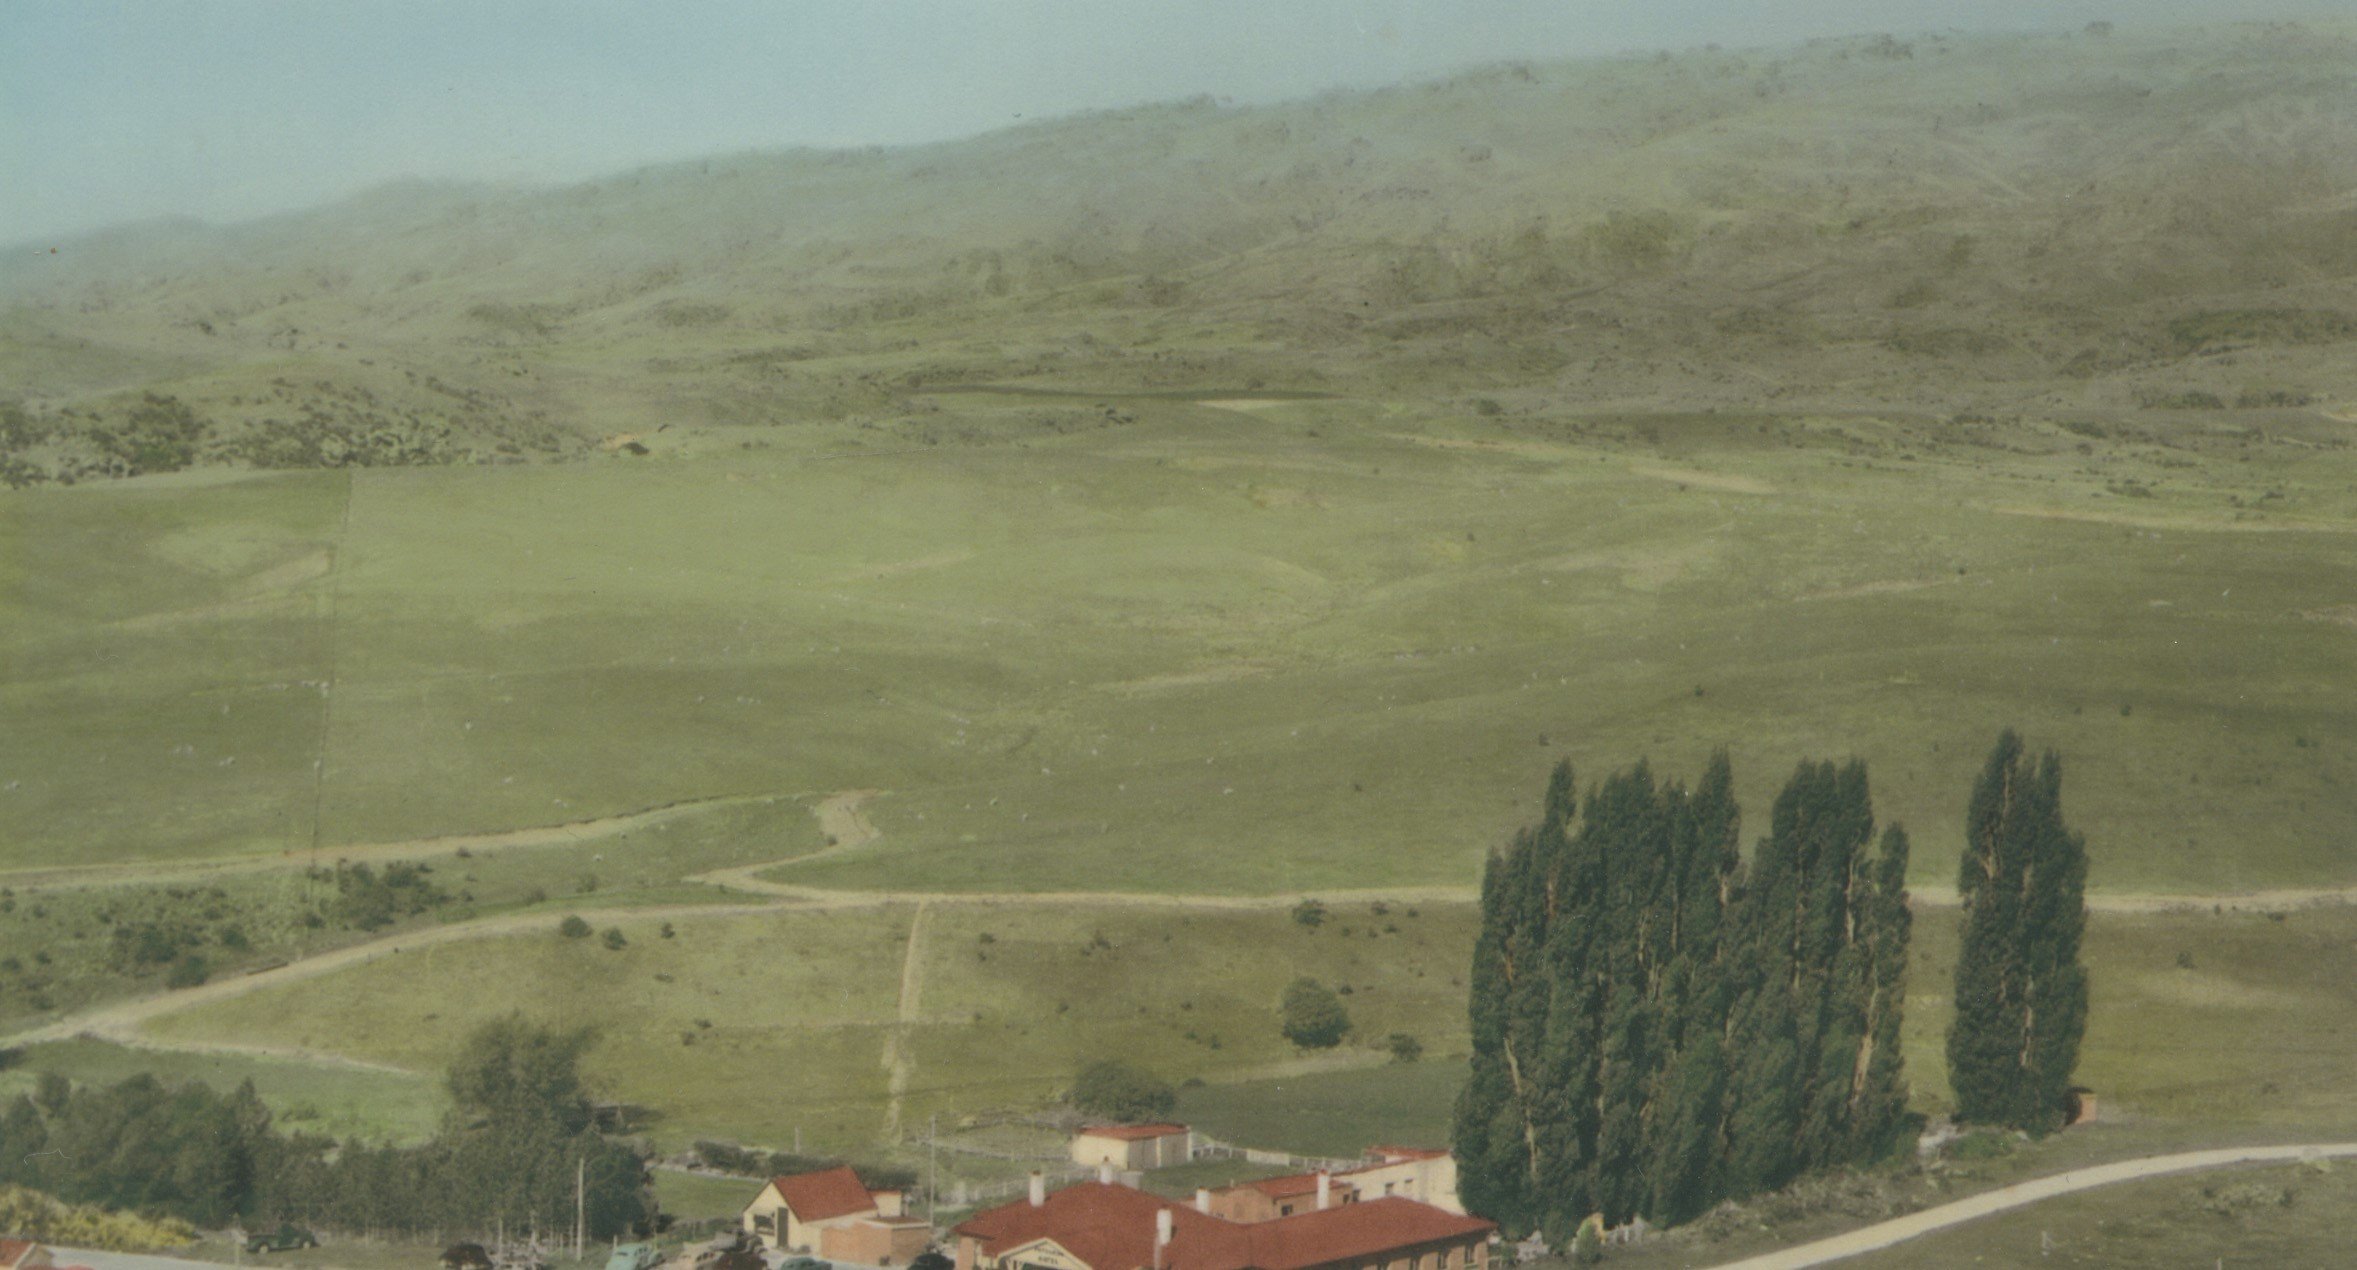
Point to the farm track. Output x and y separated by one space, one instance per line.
567 833
900 1059
2004 1198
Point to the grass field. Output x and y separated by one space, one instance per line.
2248 1039
1344 655
343 1102
1337 1114
751 1028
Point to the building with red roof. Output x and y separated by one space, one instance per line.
801 1212
23 1254
1272 1197
1107 1226
1134 1148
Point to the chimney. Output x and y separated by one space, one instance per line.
1105 1172
1162 1224
1039 1189
1202 1200
1325 1189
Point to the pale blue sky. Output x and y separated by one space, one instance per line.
114 110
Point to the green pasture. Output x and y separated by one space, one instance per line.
751 1027
303 1097
1338 1114
739 1028
1014 999
701 1197
57 950
1210 651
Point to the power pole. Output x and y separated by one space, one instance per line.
932 1165
580 1176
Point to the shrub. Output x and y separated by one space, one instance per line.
1310 913
1403 1047
1114 1090
188 972
613 938
1587 1247
573 927
1312 1016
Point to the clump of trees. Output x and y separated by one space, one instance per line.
520 1125
1114 1090
31 1215
1658 1025
368 900
2021 994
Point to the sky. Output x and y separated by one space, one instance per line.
121 110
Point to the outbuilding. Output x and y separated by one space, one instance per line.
1134 1148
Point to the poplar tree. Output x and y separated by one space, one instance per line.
2021 994
1878 1117
1685 1136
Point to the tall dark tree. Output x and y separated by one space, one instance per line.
1878 1117
1513 986
2021 994
1685 1136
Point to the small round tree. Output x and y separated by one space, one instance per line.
573 927
1313 1015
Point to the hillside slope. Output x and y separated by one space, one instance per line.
2137 220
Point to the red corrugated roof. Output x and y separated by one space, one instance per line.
1349 1232
13 1250
1293 1184
1111 1227
1132 1132
822 1196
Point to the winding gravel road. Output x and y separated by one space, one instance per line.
1900 1229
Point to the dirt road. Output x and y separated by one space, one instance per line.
572 832
120 1020
2004 1198
2282 901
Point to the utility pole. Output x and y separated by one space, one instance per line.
580 1176
932 1165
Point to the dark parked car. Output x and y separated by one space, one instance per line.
466 1257
287 1238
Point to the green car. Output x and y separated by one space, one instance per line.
287 1238
634 1257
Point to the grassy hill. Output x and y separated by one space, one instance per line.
1943 224
1180 506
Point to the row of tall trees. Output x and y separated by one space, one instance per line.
1659 1024
519 1128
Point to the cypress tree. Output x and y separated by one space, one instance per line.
1878 1116
1630 823
1568 1104
1686 1130
1504 1105
2021 994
